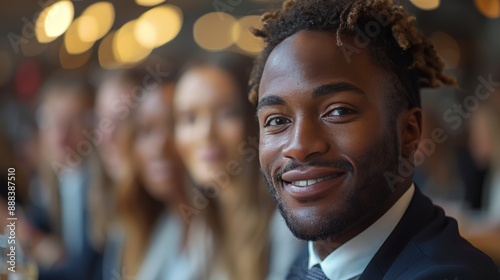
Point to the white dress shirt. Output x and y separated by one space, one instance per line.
349 260
493 200
165 259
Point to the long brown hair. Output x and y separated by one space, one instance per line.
138 209
241 240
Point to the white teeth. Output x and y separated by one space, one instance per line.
300 183
304 183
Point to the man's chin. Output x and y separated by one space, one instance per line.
308 227
306 231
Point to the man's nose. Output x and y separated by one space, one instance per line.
306 142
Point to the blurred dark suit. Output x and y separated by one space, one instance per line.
86 264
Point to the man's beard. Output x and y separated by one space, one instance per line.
371 183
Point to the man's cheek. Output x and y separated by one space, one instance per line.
266 151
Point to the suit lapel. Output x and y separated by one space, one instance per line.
299 268
420 213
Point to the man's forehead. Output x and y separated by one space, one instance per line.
310 56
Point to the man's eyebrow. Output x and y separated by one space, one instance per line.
334 88
322 90
271 100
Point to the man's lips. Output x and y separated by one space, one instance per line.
311 182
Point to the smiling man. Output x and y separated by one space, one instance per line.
338 103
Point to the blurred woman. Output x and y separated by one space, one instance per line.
149 191
113 105
216 135
114 91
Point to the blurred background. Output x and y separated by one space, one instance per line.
39 37
458 163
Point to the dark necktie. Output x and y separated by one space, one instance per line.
316 273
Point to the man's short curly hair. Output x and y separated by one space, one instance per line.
398 47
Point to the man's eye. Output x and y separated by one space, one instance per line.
276 121
337 112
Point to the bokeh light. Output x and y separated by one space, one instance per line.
158 26
105 54
245 40
447 48
72 41
70 61
149 2
126 47
215 31
53 21
87 29
489 8
96 21
426 4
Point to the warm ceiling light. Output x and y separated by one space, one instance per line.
214 31
245 40
87 29
105 54
426 4
53 21
72 41
158 26
126 47
489 8
149 2
69 61
97 20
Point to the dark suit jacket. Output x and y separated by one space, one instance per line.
87 265
424 245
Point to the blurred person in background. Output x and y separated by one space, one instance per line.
481 225
18 146
216 135
12 206
112 108
69 223
437 173
19 128
156 244
113 105
7 162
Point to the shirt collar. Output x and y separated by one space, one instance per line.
351 258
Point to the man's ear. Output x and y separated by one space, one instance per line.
411 129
